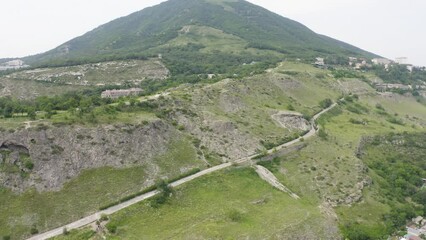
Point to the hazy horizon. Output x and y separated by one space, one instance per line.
387 28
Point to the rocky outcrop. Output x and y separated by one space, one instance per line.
292 121
218 136
49 156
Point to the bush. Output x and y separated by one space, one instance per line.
6 237
362 232
103 218
235 215
326 103
29 165
112 227
33 230
322 134
355 121
396 121
380 107
162 197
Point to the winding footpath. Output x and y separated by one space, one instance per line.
96 216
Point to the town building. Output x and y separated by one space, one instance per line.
319 62
381 61
401 60
416 229
383 87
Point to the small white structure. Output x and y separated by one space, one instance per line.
401 60
381 61
319 62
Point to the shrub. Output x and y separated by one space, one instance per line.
322 134
353 109
235 215
6 237
355 121
112 227
380 107
33 230
29 165
57 149
395 121
162 197
103 218
326 103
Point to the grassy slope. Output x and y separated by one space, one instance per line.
214 207
250 102
315 173
30 89
318 173
151 27
88 192
340 168
62 117
56 81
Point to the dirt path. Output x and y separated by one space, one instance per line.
28 123
269 177
96 216
154 97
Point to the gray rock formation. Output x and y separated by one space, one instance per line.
46 157
292 121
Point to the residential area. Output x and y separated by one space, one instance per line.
416 229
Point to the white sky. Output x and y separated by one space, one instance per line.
391 28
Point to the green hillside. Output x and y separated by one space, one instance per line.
223 85
151 31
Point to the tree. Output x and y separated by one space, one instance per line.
33 230
8 111
326 103
32 114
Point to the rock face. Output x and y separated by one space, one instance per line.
292 121
45 158
219 136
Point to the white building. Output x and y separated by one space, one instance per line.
401 60
319 62
381 61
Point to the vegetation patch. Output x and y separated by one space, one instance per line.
397 163
215 207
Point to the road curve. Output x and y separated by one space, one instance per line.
96 216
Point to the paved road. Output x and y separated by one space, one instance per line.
92 218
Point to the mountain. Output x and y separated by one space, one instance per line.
256 33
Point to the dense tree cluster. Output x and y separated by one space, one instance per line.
12 107
398 162
400 74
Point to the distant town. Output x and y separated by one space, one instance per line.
416 229
363 63
12 65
